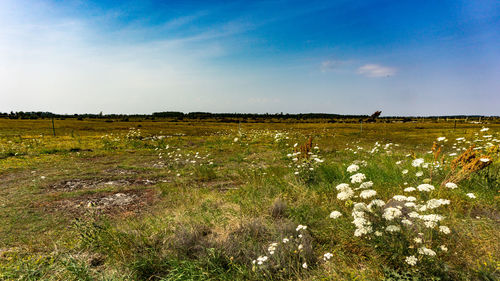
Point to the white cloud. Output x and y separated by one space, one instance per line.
329 65
375 70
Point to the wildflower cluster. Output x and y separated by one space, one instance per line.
416 219
291 251
305 160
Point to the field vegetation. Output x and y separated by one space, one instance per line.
200 199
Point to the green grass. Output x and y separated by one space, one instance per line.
207 216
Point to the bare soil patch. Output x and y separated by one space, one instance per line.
113 203
95 183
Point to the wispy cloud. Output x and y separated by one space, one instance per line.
375 70
329 65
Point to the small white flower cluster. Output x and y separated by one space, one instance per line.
352 168
345 193
327 256
335 214
260 260
425 187
358 178
294 243
272 248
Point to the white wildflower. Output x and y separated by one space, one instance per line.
391 213
426 251
411 260
357 178
342 187
367 193
300 227
399 198
327 256
406 222
435 203
471 195
366 184
444 229
417 162
451 185
346 194
392 228
425 187
376 203
335 214
409 189
352 168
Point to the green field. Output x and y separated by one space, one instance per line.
193 200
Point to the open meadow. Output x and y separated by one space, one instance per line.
199 200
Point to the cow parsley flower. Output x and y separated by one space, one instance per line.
342 187
376 203
399 198
411 260
441 138
471 195
451 185
366 184
301 227
443 248
327 256
406 222
425 187
393 228
391 213
409 189
346 194
335 214
435 203
419 174
417 162
444 229
357 178
352 168
367 193
410 205
304 265
405 171
426 251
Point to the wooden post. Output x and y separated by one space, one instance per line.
455 127
53 128
361 126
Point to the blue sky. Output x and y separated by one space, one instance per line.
349 57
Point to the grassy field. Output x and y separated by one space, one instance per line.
213 201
